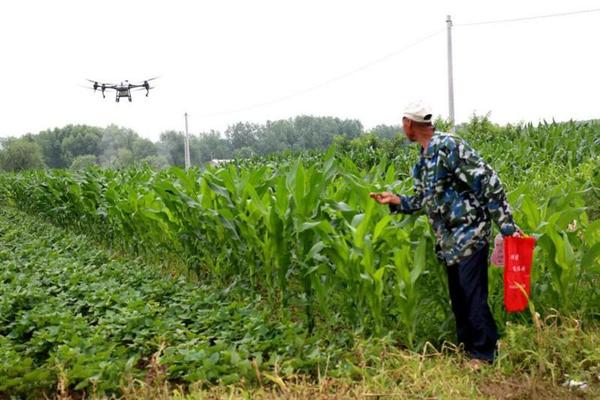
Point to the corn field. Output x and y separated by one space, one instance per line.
301 230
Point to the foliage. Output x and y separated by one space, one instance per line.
83 162
61 145
116 146
304 231
111 145
171 146
155 162
20 154
94 321
299 233
386 131
77 321
242 135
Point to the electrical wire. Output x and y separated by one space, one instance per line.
503 21
388 56
329 81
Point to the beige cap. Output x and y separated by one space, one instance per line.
419 111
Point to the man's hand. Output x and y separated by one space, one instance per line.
518 233
385 198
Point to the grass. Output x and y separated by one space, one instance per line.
533 364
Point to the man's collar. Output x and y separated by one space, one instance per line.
430 150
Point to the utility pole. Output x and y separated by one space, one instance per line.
450 75
187 144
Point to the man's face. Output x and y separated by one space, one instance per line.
408 129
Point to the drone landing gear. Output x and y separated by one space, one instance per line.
130 99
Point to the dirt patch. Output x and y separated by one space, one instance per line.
514 388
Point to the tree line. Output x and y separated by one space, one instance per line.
79 146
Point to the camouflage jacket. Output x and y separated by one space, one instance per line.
461 194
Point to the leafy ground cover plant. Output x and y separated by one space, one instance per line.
70 311
79 321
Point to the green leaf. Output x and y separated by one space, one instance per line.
419 260
315 252
381 225
563 218
308 225
590 259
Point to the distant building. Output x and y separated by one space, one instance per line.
216 162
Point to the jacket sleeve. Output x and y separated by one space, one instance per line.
466 165
410 204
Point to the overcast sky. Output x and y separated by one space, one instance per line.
218 57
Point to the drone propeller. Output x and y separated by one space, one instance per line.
142 88
99 88
96 85
137 89
100 84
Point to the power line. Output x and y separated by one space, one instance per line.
388 56
502 21
329 81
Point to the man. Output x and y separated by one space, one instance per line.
461 194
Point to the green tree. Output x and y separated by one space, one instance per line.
21 154
208 146
386 131
281 135
243 134
319 132
114 139
83 162
155 162
50 142
117 137
124 158
273 137
171 146
244 152
80 140
142 148
350 128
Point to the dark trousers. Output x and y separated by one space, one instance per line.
475 326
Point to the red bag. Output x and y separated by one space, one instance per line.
518 256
